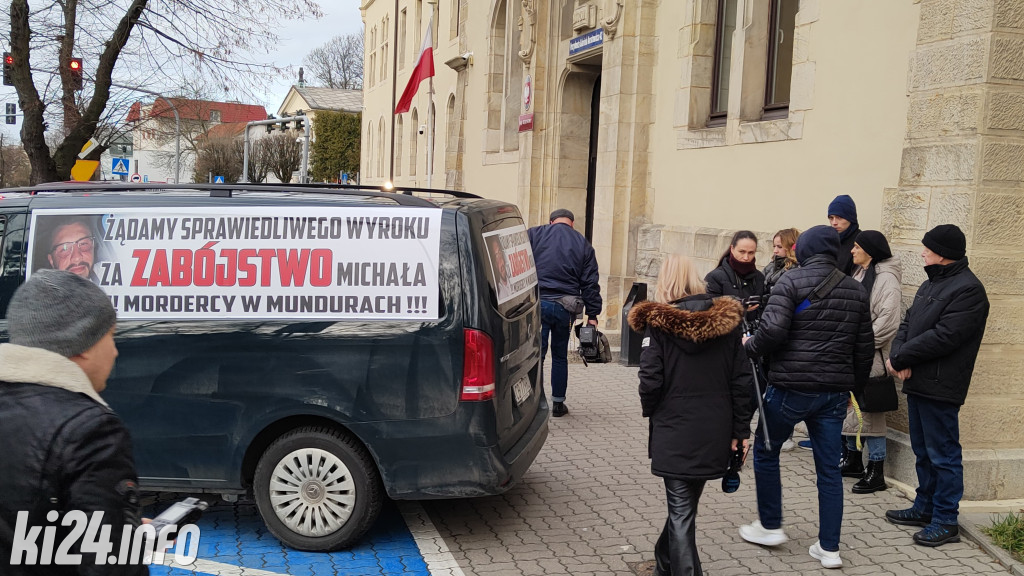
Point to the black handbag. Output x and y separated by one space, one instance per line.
879 394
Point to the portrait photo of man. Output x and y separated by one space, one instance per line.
67 243
500 268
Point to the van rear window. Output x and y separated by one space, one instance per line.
513 274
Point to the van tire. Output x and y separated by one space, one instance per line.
308 511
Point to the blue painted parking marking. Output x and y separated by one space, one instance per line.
233 537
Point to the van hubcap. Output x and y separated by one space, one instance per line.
312 492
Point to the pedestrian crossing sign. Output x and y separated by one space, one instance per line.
218 179
120 167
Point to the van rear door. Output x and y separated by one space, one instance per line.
504 303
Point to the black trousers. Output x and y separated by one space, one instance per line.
675 553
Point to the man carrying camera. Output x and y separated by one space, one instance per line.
568 278
817 329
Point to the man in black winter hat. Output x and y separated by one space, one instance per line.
62 449
934 353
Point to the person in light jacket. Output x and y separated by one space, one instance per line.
695 383
880 274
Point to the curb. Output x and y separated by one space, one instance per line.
971 525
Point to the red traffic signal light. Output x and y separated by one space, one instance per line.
75 72
8 69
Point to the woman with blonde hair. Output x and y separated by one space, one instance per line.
695 383
783 257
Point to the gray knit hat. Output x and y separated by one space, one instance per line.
60 312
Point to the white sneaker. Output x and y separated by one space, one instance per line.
828 559
788 446
760 535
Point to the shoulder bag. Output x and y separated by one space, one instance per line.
879 393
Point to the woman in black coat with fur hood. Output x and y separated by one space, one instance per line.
695 383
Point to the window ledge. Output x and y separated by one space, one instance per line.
700 138
776 130
504 157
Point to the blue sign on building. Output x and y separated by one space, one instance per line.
586 41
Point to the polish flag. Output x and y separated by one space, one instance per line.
424 69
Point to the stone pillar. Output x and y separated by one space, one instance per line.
627 103
963 163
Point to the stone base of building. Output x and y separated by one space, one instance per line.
989 474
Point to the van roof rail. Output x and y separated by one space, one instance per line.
400 195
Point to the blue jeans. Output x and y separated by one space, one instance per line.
555 323
875 446
935 438
823 412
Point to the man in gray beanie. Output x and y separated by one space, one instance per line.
61 446
934 353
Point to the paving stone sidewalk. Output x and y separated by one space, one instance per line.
590 506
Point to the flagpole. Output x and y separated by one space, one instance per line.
430 135
394 90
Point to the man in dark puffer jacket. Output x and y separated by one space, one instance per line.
934 353
61 447
818 356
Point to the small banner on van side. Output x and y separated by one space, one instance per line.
307 263
511 258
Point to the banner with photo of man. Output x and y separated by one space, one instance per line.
250 262
511 260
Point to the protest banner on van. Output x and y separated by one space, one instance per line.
511 259
250 262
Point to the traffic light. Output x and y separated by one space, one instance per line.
297 123
11 114
8 69
270 127
75 72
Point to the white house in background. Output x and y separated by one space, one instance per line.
154 136
311 99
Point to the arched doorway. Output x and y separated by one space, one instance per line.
578 123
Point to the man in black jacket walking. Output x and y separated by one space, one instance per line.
568 279
61 448
817 330
934 353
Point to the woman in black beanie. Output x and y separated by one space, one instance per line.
880 274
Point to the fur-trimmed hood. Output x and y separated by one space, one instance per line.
24 365
695 324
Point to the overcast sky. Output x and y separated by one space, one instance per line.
299 37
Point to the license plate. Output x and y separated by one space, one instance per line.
521 390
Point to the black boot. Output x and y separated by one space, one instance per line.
873 480
852 464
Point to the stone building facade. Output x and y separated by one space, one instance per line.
666 126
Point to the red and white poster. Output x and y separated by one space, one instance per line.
511 260
327 263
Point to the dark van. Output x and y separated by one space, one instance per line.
313 347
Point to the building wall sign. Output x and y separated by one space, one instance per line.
527 93
525 122
586 42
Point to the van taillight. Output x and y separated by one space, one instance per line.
477 366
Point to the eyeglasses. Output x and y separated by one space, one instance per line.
65 249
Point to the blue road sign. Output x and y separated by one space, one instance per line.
218 179
344 177
119 167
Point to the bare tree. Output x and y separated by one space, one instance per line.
259 158
339 62
219 156
284 154
153 43
14 169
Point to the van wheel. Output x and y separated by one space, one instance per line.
317 489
